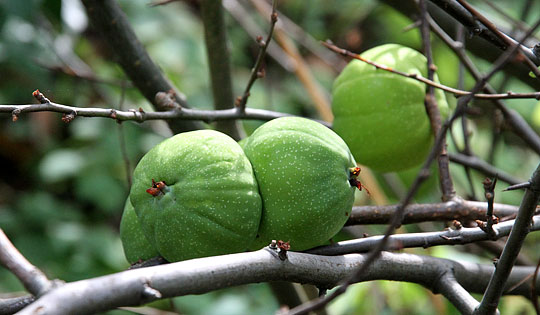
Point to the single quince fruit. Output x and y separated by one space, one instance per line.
196 195
304 175
381 115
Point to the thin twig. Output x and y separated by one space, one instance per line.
524 185
524 54
141 116
318 95
445 180
415 76
518 125
519 24
122 141
483 167
116 31
257 71
489 193
33 279
457 236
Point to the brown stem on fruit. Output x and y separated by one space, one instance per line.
432 108
353 179
158 188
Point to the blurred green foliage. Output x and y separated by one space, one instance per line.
63 186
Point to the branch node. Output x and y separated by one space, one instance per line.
40 97
67 118
536 50
149 293
15 114
167 100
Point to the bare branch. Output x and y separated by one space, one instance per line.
448 286
107 17
481 26
215 38
513 245
458 236
518 124
534 296
482 166
12 305
525 54
446 211
33 279
257 71
430 102
207 274
141 116
414 76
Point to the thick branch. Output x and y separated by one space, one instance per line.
112 24
198 276
215 36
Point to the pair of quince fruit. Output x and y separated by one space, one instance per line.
202 194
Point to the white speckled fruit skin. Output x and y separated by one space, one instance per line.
302 169
213 206
136 246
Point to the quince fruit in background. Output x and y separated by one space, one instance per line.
381 115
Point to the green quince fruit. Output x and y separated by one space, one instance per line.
196 195
381 115
136 246
304 175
